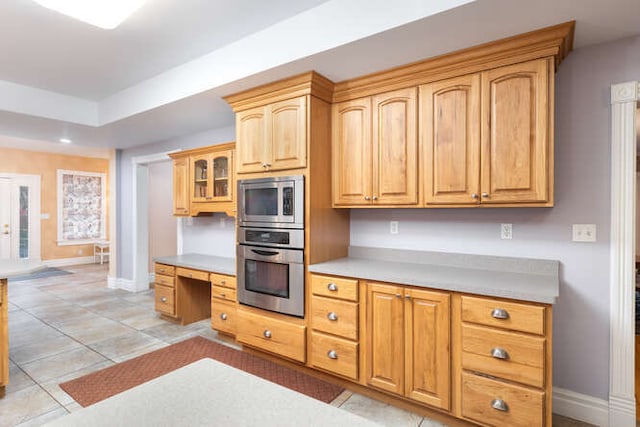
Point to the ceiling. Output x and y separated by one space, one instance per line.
162 74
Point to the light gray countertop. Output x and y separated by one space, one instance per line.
10 268
210 393
210 263
526 279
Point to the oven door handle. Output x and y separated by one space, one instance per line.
265 253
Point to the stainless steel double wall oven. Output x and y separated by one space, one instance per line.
270 252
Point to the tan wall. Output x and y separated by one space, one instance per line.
46 165
162 223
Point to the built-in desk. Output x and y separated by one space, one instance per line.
190 287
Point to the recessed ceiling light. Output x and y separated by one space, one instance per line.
107 14
65 140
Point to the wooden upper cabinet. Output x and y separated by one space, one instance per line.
181 186
287 130
375 150
517 145
352 161
251 135
272 137
395 148
487 138
450 134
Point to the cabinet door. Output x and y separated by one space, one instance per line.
250 140
427 366
222 166
516 106
450 135
351 152
181 186
385 342
200 178
287 134
395 148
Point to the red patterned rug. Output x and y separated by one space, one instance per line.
102 384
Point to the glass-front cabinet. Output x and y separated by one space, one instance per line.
210 179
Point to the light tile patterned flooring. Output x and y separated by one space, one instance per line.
64 327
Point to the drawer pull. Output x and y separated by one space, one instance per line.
223 295
332 287
190 275
267 333
163 299
500 313
223 282
223 316
499 353
331 354
500 405
332 316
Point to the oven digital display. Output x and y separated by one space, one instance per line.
267 278
258 236
261 201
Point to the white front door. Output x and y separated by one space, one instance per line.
19 216
5 218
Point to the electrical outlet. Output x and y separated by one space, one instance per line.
393 227
506 231
584 232
79 251
223 221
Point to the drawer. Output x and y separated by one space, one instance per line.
192 274
335 317
161 279
521 406
223 316
334 287
503 354
223 293
167 270
508 315
165 300
334 354
272 335
222 280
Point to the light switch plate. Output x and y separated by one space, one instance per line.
584 233
506 231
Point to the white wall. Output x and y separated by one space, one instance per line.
213 235
582 181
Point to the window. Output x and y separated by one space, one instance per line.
81 207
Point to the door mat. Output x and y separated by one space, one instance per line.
40 274
102 384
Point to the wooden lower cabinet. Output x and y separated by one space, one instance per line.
505 361
271 333
408 342
4 337
165 300
334 354
224 316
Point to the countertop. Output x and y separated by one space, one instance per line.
206 393
526 279
210 263
10 268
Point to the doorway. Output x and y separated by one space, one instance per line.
20 216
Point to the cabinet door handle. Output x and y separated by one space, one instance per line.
367 198
407 296
500 405
500 313
331 354
163 299
223 316
267 333
499 353
398 296
332 287
332 316
474 195
485 195
375 197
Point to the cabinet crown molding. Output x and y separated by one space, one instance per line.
555 41
309 83
200 150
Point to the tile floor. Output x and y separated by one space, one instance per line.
64 327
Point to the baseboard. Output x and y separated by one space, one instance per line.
63 262
581 407
152 277
120 283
